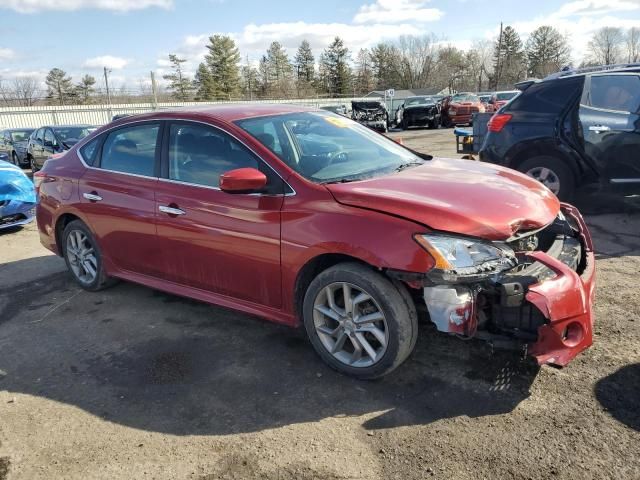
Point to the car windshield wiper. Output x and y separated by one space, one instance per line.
340 180
404 166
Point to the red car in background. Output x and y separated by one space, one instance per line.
307 218
459 108
500 99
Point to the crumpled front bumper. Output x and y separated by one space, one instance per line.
547 306
566 301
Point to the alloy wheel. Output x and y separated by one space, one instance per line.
547 177
82 257
350 324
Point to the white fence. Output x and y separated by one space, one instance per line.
34 117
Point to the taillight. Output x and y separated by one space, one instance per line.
38 178
498 121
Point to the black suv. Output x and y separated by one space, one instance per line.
572 129
47 141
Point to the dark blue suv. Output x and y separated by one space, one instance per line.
573 129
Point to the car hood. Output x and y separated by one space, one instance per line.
422 105
459 196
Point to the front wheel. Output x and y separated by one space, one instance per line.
15 160
83 257
358 321
553 173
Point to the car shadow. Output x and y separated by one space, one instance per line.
156 362
618 393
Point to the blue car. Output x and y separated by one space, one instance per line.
17 197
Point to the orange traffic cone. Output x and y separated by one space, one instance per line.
399 141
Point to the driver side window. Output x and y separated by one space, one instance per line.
49 139
199 154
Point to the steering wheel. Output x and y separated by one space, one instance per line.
339 156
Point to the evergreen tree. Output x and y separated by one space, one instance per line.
85 88
336 58
383 66
547 51
203 84
305 69
223 59
264 81
180 86
59 86
280 71
509 59
250 82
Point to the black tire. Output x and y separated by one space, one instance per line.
15 160
397 306
558 168
101 280
32 163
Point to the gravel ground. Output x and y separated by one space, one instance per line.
133 383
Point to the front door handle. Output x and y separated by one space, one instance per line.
599 128
92 197
171 210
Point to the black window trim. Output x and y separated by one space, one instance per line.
164 172
585 101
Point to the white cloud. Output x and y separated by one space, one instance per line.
397 11
580 19
35 6
109 61
6 54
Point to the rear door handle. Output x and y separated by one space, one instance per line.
93 197
171 210
599 128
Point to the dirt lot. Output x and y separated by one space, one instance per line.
132 383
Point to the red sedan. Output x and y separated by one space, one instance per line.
305 217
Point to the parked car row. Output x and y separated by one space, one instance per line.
31 147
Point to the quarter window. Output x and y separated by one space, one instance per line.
131 150
200 154
616 92
89 151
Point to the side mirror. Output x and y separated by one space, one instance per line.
242 180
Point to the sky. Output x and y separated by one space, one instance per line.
134 37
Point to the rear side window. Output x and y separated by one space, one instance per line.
131 150
615 92
89 151
548 97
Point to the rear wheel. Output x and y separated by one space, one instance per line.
358 321
83 258
553 173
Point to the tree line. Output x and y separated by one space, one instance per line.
409 62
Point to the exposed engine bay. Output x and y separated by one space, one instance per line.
372 114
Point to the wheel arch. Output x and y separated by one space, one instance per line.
537 148
61 222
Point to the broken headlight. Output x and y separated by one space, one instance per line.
459 259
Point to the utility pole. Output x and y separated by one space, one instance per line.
106 82
498 66
154 91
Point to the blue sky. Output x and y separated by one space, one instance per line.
133 37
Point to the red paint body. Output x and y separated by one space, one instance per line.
247 251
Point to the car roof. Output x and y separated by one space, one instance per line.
17 129
227 112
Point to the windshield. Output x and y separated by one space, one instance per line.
505 95
485 98
419 101
465 97
72 133
324 147
21 135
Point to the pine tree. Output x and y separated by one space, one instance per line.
203 84
383 68
547 51
280 71
180 86
509 59
223 59
59 86
336 58
305 69
85 88
250 82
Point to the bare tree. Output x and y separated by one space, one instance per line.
25 90
4 93
605 46
633 45
417 56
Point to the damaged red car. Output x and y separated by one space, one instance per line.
307 218
459 109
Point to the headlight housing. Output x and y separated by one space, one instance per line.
465 259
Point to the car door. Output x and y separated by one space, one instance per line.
211 240
36 146
48 146
610 121
117 192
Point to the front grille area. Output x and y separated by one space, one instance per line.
521 322
12 219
